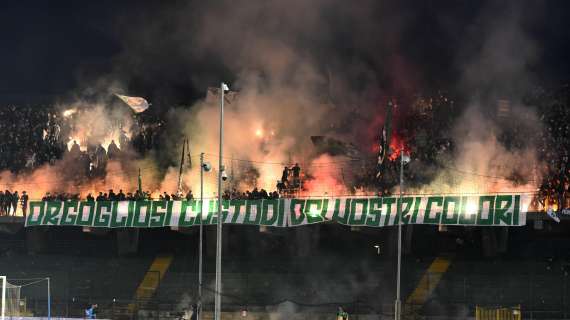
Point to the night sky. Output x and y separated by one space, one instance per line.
52 49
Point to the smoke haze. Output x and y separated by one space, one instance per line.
301 68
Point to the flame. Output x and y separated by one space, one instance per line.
326 180
397 145
260 133
69 112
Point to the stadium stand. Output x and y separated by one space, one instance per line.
342 268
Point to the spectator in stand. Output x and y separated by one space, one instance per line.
296 175
113 150
91 312
254 194
2 203
341 314
189 196
7 203
285 176
263 194
15 200
280 186
90 198
121 196
24 203
75 150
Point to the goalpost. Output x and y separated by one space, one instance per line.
10 299
12 304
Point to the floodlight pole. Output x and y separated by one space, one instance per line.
218 296
398 309
4 284
201 236
48 299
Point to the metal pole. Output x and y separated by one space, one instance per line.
49 299
181 167
218 297
4 285
201 236
398 311
564 296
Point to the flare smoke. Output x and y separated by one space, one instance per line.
299 69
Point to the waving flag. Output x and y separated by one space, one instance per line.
382 151
550 212
138 104
385 139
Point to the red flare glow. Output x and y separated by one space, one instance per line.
397 145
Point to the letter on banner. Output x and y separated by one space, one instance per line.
69 214
53 212
433 210
36 213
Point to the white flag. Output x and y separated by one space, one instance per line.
138 104
405 158
552 215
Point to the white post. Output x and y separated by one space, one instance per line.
49 299
398 307
199 309
218 296
4 284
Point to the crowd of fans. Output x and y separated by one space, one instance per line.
117 196
39 135
26 134
554 146
255 194
11 200
290 179
34 135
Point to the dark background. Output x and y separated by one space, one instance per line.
51 49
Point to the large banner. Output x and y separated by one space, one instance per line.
481 210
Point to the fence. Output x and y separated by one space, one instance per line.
162 310
482 313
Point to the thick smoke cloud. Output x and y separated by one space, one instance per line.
496 73
284 60
313 68
482 161
499 63
295 81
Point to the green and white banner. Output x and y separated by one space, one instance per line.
480 210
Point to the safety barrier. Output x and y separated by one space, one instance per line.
498 313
